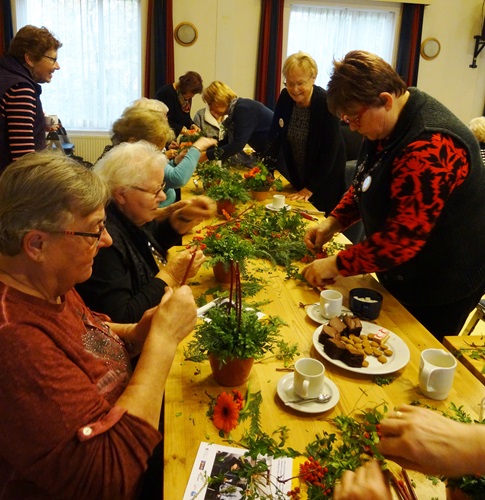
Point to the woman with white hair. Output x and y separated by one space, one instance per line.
132 274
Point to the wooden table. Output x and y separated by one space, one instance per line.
186 402
468 346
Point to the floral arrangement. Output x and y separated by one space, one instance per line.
260 179
211 172
234 330
223 245
230 188
188 138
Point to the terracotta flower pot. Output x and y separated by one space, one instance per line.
220 274
232 373
259 195
226 205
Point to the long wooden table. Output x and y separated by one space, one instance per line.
186 401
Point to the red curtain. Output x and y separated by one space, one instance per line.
268 77
159 59
409 43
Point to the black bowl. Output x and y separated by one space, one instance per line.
365 303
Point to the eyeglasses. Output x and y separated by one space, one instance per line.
155 194
292 85
355 121
53 59
96 236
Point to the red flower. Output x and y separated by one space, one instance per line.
226 412
238 399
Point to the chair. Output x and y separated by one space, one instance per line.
478 315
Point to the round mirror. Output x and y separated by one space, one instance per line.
185 34
430 48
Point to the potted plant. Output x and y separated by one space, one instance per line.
232 336
211 172
228 193
259 180
186 139
223 245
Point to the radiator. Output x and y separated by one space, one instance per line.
89 147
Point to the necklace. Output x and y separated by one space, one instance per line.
26 285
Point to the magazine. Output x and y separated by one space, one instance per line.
222 462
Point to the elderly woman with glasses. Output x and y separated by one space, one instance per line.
420 191
77 421
31 59
306 144
131 275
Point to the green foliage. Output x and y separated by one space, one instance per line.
211 171
227 336
230 188
224 245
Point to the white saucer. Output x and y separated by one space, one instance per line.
313 312
269 206
286 393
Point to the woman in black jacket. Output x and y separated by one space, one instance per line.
306 144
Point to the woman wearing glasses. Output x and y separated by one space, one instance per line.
306 137
420 191
69 394
132 274
31 59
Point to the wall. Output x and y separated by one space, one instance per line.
449 77
227 49
227 45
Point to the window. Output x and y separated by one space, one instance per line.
328 32
100 58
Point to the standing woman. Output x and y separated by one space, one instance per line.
307 136
31 59
246 121
420 191
178 97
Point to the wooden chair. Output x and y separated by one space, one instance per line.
478 315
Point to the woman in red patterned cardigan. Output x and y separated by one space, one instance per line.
420 191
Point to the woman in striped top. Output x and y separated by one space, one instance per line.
31 60
477 126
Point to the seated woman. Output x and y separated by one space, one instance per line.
148 124
127 279
247 122
76 421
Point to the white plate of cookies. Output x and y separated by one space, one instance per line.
360 347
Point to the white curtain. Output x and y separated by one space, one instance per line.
100 58
328 33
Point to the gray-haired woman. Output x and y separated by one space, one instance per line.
69 395
127 277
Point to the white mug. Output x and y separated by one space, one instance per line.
51 121
436 373
278 201
308 378
330 303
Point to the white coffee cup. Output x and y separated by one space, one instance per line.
330 303
308 378
51 121
278 201
436 373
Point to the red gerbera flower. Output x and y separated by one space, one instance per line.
226 413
